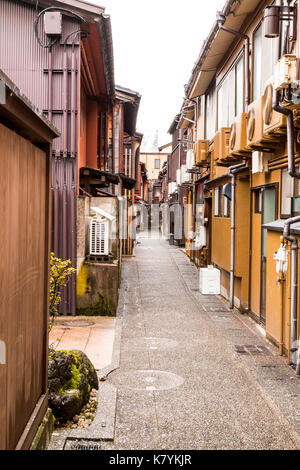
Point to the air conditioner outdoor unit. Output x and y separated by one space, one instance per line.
260 162
285 72
185 177
190 159
255 124
202 149
238 136
274 122
221 143
99 237
200 240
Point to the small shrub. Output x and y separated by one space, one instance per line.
60 272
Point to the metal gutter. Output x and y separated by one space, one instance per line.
232 171
294 287
211 183
206 47
105 33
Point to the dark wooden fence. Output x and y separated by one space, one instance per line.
24 272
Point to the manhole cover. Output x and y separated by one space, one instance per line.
147 380
252 350
77 324
215 308
151 343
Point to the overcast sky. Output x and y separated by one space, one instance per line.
156 44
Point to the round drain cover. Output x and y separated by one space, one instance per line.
77 324
147 380
151 343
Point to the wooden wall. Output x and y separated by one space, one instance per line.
24 255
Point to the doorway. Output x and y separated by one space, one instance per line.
264 210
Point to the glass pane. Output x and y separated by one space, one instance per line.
220 108
216 202
211 117
230 98
239 87
296 204
257 63
269 47
269 214
285 208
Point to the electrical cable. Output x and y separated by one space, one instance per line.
54 41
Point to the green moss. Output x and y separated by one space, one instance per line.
103 307
74 382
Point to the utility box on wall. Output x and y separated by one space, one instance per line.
210 281
53 23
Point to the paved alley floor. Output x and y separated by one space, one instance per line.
92 335
192 374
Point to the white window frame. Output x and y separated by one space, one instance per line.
216 202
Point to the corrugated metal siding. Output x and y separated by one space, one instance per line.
27 64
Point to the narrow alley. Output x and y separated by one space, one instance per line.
150 226
181 384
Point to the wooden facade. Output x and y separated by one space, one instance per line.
220 103
25 169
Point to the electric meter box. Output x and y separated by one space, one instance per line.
210 281
53 23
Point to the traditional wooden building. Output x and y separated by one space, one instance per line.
242 110
60 54
25 168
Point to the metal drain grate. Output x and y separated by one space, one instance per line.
251 350
215 308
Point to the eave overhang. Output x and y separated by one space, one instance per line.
128 183
96 177
86 9
131 101
217 45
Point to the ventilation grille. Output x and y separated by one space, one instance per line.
98 238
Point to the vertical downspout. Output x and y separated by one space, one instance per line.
235 168
294 283
113 143
50 76
232 171
247 54
74 173
286 233
64 162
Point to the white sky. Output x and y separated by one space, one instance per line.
156 44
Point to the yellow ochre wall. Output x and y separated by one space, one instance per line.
273 290
258 180
221 240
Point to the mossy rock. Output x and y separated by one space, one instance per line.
71 377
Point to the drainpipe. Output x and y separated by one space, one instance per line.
294 247
232 171
290 136
221 20
294 283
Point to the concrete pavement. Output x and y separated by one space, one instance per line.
193 375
